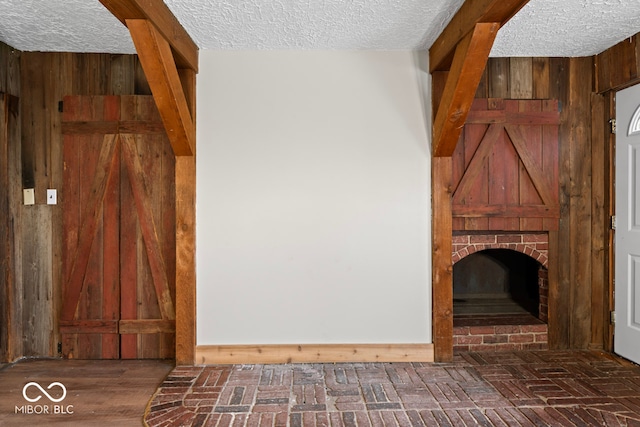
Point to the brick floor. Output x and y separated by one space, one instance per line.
530 388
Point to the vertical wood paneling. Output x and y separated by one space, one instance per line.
37 313
580 200
6 258
9 70
91 74
520 78
618 66
14 293
558 320
58 84
560 291
122 81
580 249
540 78
32 115
42 79
10 204
599 300
483 86
498 77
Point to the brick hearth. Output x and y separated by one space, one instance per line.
507 337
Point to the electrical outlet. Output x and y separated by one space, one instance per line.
52 196
29 196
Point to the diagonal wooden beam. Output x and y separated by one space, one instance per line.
472 12
185 50
535 173
459 91
158 65
89 227
478 161
148 227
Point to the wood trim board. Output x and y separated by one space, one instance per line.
313 353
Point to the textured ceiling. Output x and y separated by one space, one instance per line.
315 24
542 28
568 27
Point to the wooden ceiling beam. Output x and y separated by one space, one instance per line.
472 12
183 47
466 71
160 69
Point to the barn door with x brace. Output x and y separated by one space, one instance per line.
505 167
119 230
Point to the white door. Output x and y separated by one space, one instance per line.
627 235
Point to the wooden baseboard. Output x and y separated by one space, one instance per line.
313 353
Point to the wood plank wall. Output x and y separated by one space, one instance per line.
10 192
578 269
41 80
619 66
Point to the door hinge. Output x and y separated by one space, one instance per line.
613 317
613 222
612 122
59 348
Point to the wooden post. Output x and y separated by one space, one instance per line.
185 260
442 270
186 239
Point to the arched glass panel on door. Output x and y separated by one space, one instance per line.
634 125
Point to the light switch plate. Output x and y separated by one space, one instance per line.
29 196
52 196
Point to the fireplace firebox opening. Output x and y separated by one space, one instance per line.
496 282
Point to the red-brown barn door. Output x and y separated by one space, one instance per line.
505 167
119 230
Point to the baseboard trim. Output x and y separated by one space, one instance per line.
313 353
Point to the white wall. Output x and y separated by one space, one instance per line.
313 198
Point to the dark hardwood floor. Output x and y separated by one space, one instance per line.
98 392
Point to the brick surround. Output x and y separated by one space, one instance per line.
505 337
536 245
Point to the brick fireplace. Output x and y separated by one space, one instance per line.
496 335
